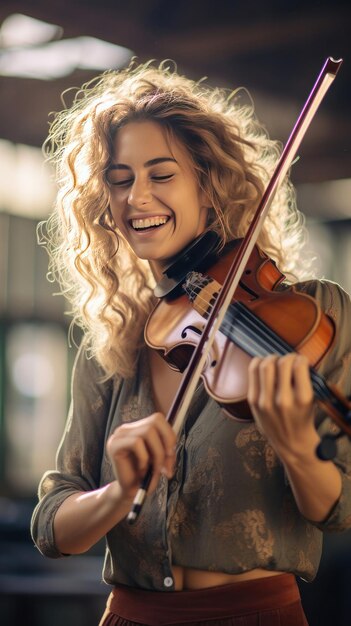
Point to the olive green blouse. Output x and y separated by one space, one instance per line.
229 506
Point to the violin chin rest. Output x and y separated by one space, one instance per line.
198 255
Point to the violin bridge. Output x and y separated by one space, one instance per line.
202 291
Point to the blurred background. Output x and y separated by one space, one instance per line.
276 50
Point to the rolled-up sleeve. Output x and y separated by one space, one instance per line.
79 455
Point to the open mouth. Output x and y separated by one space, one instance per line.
148 223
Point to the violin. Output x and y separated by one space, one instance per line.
222 328
265 317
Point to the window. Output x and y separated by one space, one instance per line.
35 393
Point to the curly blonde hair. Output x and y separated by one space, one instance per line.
109 288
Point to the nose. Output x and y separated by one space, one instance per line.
139 193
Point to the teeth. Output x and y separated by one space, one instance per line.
148 222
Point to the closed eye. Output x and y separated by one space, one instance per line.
129 181
120 183
166 177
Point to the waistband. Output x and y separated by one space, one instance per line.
233 600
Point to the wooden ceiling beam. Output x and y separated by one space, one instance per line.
242 39
239 38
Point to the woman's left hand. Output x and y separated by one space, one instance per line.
281 397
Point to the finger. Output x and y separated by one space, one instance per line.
253 381
156 449
164 429
152 442
167 434
169 465
160 441
293 381
284 381
302 380
134 467
169 440
128 448
267 383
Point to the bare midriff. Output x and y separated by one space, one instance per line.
191 579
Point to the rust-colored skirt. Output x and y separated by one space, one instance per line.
271 601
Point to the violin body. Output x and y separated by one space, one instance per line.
175 325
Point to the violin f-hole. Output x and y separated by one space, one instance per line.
196 330
251 292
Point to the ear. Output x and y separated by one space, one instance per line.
205 202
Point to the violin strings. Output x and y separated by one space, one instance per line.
319 384
251 334
279 345
320 387
252 337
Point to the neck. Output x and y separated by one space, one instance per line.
157 270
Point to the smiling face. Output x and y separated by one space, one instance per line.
155 199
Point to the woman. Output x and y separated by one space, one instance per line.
147 161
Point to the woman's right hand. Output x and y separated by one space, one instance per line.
134 446
85 517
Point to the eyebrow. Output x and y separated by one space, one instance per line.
121 166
